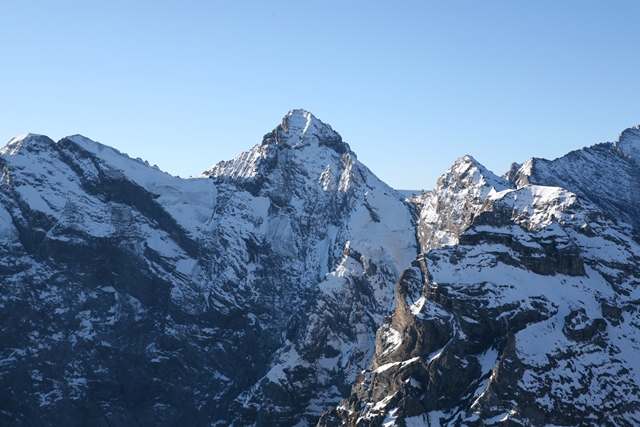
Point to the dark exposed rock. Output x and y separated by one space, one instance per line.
578 327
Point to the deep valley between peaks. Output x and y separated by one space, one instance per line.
292 287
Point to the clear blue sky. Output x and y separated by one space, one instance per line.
410 85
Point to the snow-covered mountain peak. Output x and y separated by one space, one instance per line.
467 173
28 139
629 143
460 195
298 120
300 143
300 128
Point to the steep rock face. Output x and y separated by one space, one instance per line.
529 320
247 296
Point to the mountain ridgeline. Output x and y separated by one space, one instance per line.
291 287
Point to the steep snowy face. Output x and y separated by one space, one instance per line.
460 195
301 135
528 320
301 128
189 201
607 174
333 236
306 173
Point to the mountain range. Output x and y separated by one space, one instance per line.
292 287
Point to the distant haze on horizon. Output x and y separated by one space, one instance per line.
410 86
